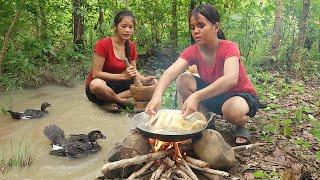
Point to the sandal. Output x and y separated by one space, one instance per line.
242 132
112 108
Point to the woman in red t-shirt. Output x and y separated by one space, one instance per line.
109 79
223 86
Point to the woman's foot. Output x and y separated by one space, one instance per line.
242 135
112 107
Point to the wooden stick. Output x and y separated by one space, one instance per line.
176 177
208 170
137 82
196 162
141 171
209 175
185 170
185 167
167 174
157 173
135 160
249 146
182 174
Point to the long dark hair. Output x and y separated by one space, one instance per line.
117 19
210 13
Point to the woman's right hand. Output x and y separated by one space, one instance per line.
153 105
130 72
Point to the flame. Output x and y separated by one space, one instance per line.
158 145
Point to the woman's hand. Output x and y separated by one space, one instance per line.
130 72
149 80
190 105
153 105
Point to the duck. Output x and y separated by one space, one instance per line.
74 145
31 113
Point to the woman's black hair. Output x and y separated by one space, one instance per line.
117 19
210 13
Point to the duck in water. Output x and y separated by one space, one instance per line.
75 145
31 113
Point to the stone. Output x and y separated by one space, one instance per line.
212 148
135 144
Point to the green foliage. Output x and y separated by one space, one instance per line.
43 38
169 98
260 174
15 153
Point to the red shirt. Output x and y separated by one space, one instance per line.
210 74
112 64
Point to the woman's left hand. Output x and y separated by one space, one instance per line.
190 105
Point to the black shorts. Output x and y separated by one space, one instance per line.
117 87
214 104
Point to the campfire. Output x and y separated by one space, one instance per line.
166 161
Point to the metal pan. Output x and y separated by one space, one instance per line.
140 120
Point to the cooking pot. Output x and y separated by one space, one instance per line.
140 122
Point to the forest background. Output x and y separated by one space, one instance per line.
51 42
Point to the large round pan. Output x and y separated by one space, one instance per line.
140 122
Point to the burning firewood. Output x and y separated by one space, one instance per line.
196 162
157 173
141 171
185 167
208 170
135 160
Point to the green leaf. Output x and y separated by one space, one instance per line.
287 131
318 155
286 122
260 174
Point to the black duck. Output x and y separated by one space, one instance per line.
75 145
31 113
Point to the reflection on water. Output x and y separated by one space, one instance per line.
73 113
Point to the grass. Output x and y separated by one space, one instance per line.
15 153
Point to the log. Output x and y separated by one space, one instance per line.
185 167
196 162
135 160
157 173
185 170
208 170
167 174
182 174
135 144
249 146
176 177
141 171
212 176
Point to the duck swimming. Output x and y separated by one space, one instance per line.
31 113
75 145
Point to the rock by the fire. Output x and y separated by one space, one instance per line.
134 144
212 149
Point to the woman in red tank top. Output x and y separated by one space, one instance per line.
223 86
109 79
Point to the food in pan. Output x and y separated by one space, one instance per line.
172 120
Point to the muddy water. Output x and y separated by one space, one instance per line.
75 114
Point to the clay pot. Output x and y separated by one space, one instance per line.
142 93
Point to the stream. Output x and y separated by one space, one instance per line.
74 114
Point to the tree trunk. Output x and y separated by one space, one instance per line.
43 20
192 6
302 30
174 28
78 25
100 20
275 41
8 36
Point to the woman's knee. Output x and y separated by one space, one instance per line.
186 81
96 85
234 109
